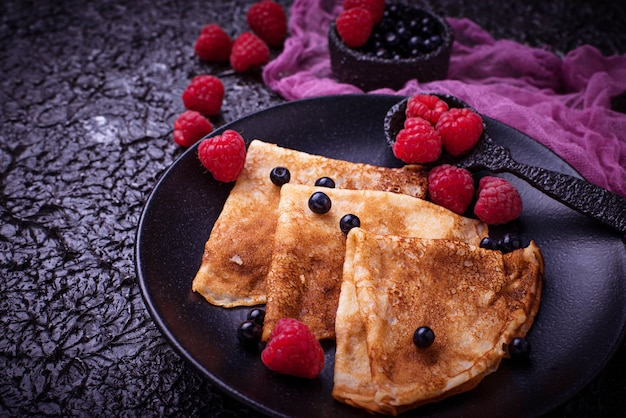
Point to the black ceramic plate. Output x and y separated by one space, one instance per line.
579 326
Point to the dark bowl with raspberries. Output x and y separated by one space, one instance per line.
399 43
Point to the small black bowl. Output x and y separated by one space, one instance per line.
369 72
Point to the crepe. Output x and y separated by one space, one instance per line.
238 252
475 300
304 279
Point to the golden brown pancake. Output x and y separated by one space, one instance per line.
238 252
474 300
304 279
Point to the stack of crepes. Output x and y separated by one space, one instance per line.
410 263
564 103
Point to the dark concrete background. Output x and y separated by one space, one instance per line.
88 94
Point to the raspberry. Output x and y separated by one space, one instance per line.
190 127
498 201
249 52
460 129
223 155
354 26
213 44
375 7
451 187
293 349
426 106
268 21
204 94
418 142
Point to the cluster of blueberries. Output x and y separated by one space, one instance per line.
404 32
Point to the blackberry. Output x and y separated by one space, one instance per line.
319 202
280 176
404 32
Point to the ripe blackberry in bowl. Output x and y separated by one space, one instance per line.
407 43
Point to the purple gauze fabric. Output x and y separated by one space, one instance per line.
564 103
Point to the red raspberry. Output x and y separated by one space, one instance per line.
190 127
223 155
375 7
213 44
293 349
418 142
204 94
249 52
460 129
268 21
426 106
498 201
354 26
451 187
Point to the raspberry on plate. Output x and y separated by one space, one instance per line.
204 94
460 130
190 127
249 52
426 106
417 143
293 349
213 44
498 201
451 187
354 26
375 7
268 21
223 155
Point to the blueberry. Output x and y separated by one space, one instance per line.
510 242
348 222
423 337
519 348
325 182
280 176
319 202
249 332
488 244
257 315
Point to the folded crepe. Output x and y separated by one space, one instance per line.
238 252
305 274
475 301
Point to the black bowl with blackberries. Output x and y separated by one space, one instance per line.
408 43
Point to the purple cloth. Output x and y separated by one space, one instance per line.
564 103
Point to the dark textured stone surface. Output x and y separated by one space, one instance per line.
88 95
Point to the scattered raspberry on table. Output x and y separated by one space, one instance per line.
204 94
190 127
354 26
268 21
451 187
293 349
498 201
249 52
213 44
375 7
223 155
